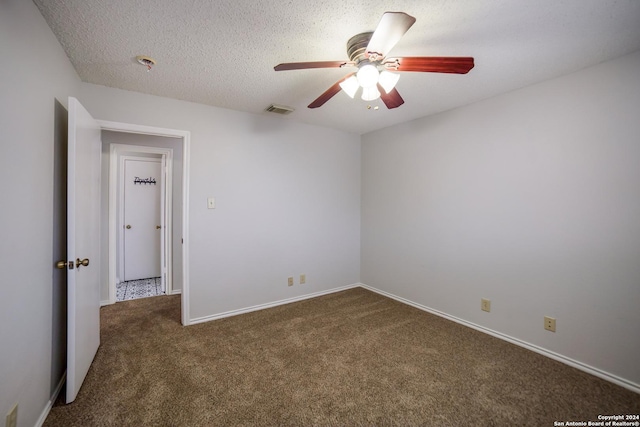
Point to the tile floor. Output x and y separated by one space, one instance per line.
141 288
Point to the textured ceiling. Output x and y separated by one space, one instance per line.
222 52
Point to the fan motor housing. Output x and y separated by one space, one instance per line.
357 47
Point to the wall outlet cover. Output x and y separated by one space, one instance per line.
485 304
550 323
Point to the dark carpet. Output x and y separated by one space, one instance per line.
352 358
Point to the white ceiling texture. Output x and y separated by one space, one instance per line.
222 52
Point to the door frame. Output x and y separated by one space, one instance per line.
186 143
116 179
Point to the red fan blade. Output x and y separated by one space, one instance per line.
433 64
391 99
319 64
329 93
389 31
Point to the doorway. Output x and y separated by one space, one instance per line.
141 176
172 146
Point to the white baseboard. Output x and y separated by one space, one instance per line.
540 350
49 405
105 302
176 292
269 305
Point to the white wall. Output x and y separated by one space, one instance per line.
34 74
530 199
287 196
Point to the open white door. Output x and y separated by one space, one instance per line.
83 245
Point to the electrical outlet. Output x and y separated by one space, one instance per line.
303 279
290 281
485 304
550 323
12 416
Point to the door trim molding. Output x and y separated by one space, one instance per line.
186 144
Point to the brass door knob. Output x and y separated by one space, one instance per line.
158 227
128 227
84 262
61 265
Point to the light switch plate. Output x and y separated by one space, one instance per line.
211 203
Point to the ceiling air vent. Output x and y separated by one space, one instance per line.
279 109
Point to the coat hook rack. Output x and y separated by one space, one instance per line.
145 181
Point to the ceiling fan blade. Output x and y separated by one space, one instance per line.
389 31
391 99
319 64
431 64
329 93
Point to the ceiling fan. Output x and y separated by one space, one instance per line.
368 53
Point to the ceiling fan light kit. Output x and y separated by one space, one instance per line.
367 51
388 80
370 93
367 75
368 78
350 86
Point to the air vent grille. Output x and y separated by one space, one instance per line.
279 109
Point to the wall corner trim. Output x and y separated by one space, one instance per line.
540 350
